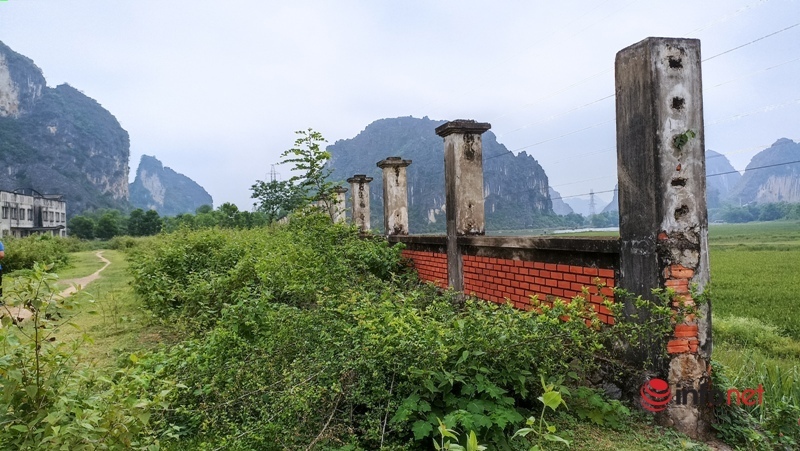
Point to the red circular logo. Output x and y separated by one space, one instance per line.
655 395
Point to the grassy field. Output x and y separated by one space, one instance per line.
109 315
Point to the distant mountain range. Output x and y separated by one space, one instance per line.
515 186
769 177
60 141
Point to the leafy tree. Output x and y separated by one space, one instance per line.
135 222
310 185
82 227
228 214
107 227
771 212
151 223
277 198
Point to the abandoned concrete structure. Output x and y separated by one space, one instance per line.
27 212
663 241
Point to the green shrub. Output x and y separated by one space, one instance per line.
195 274
373 366
46 401
22 253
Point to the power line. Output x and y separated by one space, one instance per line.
751 42
757 167
725 17
557 115
765 109
753 73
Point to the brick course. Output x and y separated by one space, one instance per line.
516 281
431 266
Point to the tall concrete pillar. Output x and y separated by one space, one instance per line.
662 208
339 205
395 195
359 192
463 179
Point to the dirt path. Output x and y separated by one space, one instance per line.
21 314
83 281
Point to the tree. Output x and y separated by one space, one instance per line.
309 186
276 199
228 215
107 227
135 222
151 223
81 227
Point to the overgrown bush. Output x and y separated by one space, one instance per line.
312 335
195 274
369 368
22 253
46 400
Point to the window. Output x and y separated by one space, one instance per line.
22 214
30 214
63 217
13 213
5 212
51 216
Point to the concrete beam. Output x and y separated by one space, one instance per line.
395 195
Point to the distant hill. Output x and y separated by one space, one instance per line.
559 206
58 140
159 188
719 186
779 182
614 204
515 185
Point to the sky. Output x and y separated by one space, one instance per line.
216 89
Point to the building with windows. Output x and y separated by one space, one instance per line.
27 212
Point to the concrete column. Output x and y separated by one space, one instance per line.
395 195
662 207
463 179
359 192
339 205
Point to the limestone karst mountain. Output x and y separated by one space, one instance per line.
721 178
58 140
515 186
159 188
776 181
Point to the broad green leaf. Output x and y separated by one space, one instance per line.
421 429
555 438
552 399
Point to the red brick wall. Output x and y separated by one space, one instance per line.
496 279
431 266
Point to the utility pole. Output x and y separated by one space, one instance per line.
592 211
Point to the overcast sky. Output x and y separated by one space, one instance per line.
216 89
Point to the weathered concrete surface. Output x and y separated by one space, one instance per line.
578 251
663 216
338 207
463 179
395 195
359 192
